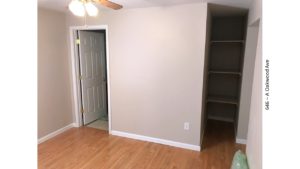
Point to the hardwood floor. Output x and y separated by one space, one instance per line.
219 145
89 148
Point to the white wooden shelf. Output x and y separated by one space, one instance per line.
226 119
222 99
224 72
227 41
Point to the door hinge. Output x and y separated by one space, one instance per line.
82 110
77 41
80 77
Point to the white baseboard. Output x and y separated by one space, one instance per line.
241 141
76 125
156 140
61 130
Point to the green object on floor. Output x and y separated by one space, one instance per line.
239 161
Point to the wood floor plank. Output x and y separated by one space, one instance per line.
89 148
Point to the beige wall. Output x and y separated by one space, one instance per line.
205 74
255 11
254 138
247 80
249 61
54 93
156 69
254 142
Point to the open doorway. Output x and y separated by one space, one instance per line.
91 77
224 60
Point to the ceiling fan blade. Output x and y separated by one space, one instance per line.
110 4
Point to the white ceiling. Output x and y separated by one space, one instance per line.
61 5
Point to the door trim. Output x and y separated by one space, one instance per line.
77 102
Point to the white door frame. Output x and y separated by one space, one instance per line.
75 73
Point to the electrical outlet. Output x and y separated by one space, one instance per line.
186 126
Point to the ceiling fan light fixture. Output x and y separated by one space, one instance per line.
77 8
91 9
